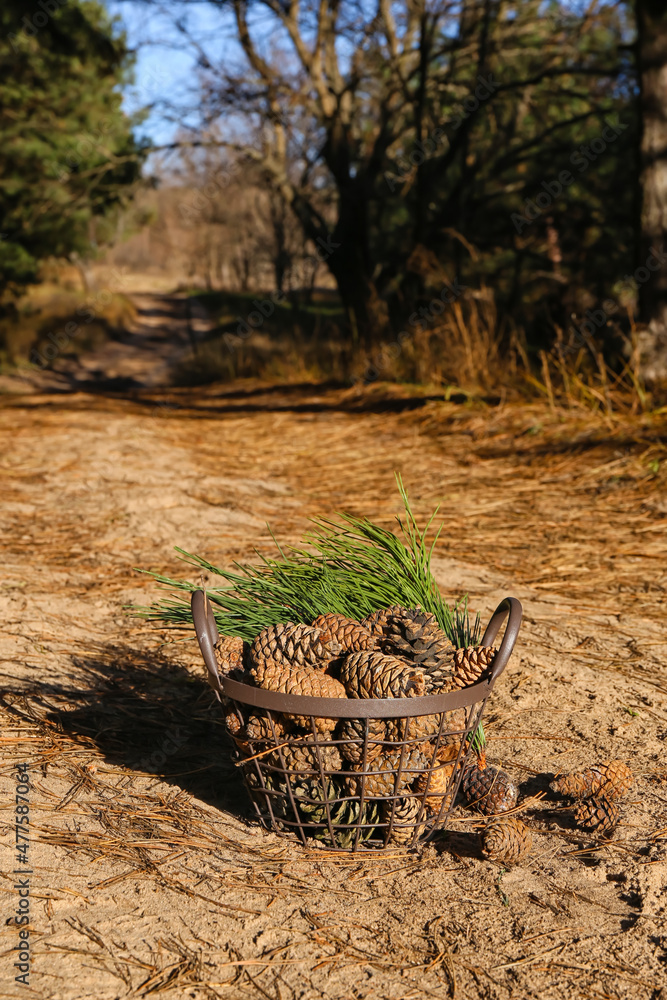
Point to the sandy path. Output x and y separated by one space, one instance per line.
148 871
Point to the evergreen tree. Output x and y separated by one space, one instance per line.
68 154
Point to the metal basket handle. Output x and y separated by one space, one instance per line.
207 636
509 606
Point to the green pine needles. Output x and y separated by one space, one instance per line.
352 566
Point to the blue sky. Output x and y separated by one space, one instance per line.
166 63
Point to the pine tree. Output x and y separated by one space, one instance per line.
68 154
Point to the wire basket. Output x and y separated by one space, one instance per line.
354 788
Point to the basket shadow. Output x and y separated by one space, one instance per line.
149 715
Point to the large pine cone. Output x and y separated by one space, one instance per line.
505 839
374 675
303 757
612 777
472 665
378 621
428 727
282 648
309 682
597 815
352 732
381 781
405 817
418 638
489 790
346 817
439 792
352 636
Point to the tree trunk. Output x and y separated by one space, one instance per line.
652 57
349 263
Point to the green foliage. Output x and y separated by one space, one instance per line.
352 567
67 150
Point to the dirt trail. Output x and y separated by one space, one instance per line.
166 328
149 873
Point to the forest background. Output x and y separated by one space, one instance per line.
471 193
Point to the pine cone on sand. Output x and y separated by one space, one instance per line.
488 790
471 665
352 732
352 636
281 648
381 780
404 824
229 652
418 638
373 675
505 839
439 793
597 815
612 777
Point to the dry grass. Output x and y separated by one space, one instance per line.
78 320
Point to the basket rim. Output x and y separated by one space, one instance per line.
353 708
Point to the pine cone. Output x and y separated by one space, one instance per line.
281 648
304 757
428 726
344 812
352 732
229 652
471 665
612 777
446 752
418 638
449 742
506 840
377 622
380 776
404 825
440 679
440 792
488 790
258 728
373 675
309 682
233 722
352 636
597 815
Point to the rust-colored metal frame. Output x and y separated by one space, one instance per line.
274 704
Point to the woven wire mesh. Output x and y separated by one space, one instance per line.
373 791
351 780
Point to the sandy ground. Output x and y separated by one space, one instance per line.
148 872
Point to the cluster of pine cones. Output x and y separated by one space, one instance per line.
597 790
405 767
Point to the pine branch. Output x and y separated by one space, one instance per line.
351 566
